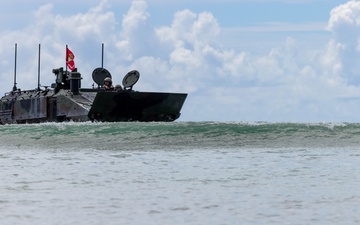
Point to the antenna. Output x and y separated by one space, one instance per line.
14 87
39 69
102 55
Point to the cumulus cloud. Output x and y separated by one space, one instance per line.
53 32
187 55
344 23
136 33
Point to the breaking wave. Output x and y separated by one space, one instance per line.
178 135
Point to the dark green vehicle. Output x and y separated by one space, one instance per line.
66 100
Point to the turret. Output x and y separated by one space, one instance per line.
61 79
67 80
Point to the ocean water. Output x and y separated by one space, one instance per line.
180 173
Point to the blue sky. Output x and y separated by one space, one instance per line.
239 60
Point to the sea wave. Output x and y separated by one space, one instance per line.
179 135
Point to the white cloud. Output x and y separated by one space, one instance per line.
344 23
135 33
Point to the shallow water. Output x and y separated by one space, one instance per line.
180 173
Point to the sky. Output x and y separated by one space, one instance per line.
238 60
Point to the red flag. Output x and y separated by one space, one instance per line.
70 59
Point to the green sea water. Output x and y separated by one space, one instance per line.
179 135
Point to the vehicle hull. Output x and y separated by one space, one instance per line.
89 105
136 106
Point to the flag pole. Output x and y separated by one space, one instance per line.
14 87
66 60
39 68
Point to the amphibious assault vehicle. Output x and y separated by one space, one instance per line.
66 100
